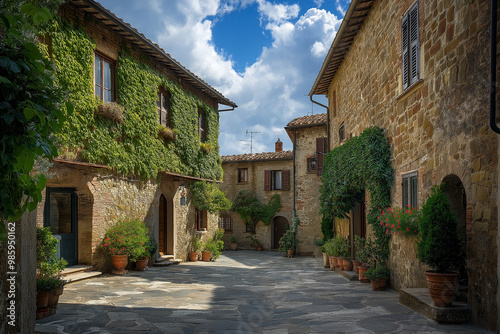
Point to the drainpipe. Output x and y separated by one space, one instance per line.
226 109
327 122
294 169
493 66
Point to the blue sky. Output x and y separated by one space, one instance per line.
263 55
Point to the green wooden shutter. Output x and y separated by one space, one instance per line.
414 44
404 51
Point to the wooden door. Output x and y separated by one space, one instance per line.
280 225
162 225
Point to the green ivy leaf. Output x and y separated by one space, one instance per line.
29 113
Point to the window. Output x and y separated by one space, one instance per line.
104 79
201 222
225 223
342 132
202 125
163 106
410 189
277 180
410 47
242 175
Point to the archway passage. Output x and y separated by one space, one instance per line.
455 191
280 225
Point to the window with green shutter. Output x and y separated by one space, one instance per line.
410 45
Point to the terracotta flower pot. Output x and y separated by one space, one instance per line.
141 264
379 285
42 299
119 264
339 264
205 256
290 253
442 287
193 256
326 261
362 277
260 248
54 297
356 264
333 262
347 264
233 246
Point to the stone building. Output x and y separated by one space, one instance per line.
265 174
127 166
300 171
419 70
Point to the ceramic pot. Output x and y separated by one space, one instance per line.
442 287
260 248
326 261
362 278
333 262
205 256
193 256
356 264
54 297
42 299
141 264
347 264
233 246
379 285
290 253
119 264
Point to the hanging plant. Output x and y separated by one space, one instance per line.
167 133
363 162
111 110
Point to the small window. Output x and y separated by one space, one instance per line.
242 175
226 223
410 190
163 107
104 79
277 180
410 45
342 132
202 125
201 221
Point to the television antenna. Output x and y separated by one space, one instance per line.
251 140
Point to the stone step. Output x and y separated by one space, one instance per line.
419 300
350 275
165 263
78 273
164 258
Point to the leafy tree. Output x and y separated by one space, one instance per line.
251 210
30 107
209 196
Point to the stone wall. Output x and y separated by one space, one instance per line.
438 127
307 186
231 187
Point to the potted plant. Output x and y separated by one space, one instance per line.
359 245
256 243
126 239
378 276
56 289
343 245
234 243
330 249
363 253
197 245
287 243
321 243
438 246
212 250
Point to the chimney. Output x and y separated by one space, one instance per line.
278 146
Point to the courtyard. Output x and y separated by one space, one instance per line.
243 292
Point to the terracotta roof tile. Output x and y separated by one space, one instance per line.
266 156
312 120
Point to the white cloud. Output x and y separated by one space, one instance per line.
270 92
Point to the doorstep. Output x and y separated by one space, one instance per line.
350 275
419 300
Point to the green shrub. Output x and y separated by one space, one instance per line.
47 263
197 245
288 241
215 247
378 273
127 237
438 245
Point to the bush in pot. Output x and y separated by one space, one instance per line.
196 246
378 276
438 246
234 243
287 243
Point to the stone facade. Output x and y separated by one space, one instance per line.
437 127
256 165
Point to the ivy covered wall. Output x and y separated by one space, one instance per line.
133 147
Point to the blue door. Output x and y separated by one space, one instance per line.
61 216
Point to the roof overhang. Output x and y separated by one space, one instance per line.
148 47
351 24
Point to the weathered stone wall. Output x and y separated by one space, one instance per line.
231 187
307 186
438 127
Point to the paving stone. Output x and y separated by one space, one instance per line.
243 292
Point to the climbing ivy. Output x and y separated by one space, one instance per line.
363 162
208 196
134 147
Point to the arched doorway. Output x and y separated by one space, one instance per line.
165 228
455 191
279 225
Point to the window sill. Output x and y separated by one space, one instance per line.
242 183
410 89
200 232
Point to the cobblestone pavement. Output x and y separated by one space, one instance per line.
243 292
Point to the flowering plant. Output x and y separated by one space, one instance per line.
400 221
127 237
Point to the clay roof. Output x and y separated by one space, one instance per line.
148 47
255 157
311 120
351 24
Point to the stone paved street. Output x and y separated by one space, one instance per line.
243 292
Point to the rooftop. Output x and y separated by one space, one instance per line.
255 157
